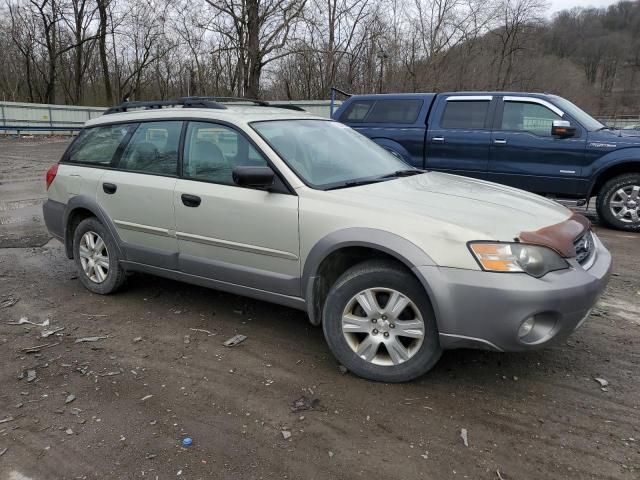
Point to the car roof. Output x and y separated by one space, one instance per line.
234 114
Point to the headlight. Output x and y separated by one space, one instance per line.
535 260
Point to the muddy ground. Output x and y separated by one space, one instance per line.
160 373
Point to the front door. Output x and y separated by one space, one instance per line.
237 235
525 155
138 194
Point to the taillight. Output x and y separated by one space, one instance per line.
51 174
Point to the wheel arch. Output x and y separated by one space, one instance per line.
79 208
335 253
611 171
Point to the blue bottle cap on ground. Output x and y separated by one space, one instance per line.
186 441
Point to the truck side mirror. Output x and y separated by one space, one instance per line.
563 129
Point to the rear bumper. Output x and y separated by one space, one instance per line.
53 213
485 310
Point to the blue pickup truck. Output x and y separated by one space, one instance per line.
536 142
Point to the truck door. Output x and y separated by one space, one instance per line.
459 136
525 155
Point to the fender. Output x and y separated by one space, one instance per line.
610 160
394 147
87 203
401 249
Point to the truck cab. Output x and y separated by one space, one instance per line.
537 142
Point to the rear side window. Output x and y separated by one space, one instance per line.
97 145
394 111
357 111
469 114
153 148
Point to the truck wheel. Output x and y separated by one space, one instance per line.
96 257
379 323
618 202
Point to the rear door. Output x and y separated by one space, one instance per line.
233 234
397 124
138 194
525 155
459 135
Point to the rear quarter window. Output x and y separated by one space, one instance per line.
97 145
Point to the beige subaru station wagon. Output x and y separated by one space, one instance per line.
396 264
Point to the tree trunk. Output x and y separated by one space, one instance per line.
102 47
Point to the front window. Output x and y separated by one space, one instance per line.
586 120
326 154
528 117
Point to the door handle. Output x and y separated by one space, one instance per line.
190 200
437 140
500 142
109 188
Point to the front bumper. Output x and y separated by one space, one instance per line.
480 309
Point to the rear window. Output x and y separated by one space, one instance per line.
153 148
469 114
97 145
383 111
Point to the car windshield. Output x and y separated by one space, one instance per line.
586 120
327 154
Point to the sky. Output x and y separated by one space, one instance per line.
557 5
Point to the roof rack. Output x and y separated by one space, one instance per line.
186 102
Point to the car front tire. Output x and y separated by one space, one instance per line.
96 257
379 323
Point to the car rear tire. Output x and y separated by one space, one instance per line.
96 257
618 202
379 323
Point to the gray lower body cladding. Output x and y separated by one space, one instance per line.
477 309
53 213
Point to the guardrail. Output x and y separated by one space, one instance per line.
6 129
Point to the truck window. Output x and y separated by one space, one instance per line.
394 111
465 114
528 117
357 111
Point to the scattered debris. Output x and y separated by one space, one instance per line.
90 339
31 376
186 441
10 301
425 455
37 348
68 431
25 320
331 454
343 369
137 339
304 403
145 398
464 436
70 398
48 333
209 334
603 384
286 434
500 477
235 340
7 419
3 451
187 339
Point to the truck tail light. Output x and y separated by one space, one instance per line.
51 175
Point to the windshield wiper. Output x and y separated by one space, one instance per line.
356 183
404 173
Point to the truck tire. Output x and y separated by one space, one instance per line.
379 323
618 202
96 257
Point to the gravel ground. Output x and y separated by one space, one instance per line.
159 373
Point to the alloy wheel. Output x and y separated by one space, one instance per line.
94 257
625 204
383 326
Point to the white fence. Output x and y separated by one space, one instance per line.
38 117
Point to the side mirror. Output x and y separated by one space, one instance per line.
257 177
562 128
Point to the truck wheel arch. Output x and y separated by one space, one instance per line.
611 171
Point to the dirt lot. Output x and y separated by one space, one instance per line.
160 373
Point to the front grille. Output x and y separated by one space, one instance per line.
584 248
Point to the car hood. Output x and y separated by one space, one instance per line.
453 203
